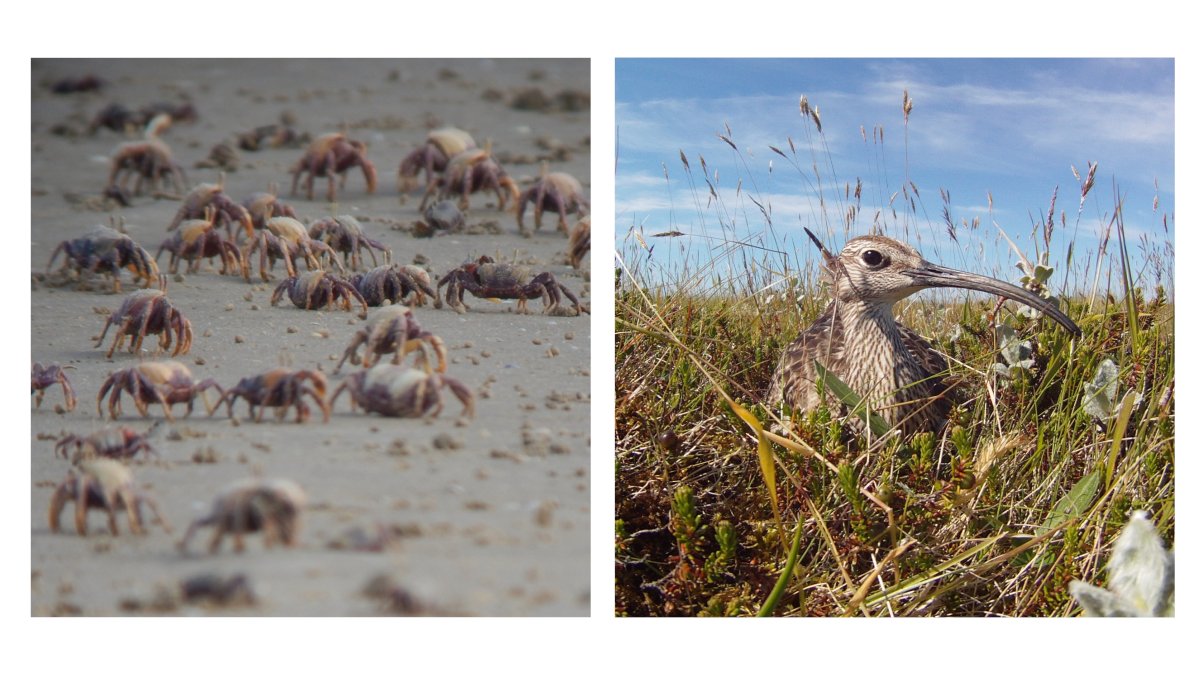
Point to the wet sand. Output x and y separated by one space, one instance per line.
488 517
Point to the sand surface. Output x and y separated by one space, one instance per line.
490 517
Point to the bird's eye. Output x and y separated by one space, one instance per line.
872 258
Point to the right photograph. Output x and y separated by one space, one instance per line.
895 337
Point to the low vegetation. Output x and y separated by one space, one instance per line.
1055 443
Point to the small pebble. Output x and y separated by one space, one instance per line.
445 441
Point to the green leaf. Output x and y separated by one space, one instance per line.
1074 503
1100 394
851 400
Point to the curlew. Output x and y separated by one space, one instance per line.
897 373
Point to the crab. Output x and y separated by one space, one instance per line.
396 283
119 443
262 206
117 117
207 196
178 112
271 506
580 242
486 278
281 389
444 216
318 290
194 240
75 85
43 377
345 235
104 249
472 171
281 135
432 157
148 312
558 192
329 155
286 238
394 330
164 382
398 391
148 159
102 484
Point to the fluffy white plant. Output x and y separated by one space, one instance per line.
1141 575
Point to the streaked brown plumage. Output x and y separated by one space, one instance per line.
856 338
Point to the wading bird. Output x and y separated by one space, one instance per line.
895 371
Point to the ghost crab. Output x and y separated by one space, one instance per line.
472 171
148 312
285 238
102 484
116 117
443 216
559 192
104 249
486 278
270 506
432 157
164 382
119 443
331 155
148 159
319 290
395 284
394 330
580 241
281 389
43 377
345 235
119 118
398 391
280 135
211 196
263 206
195 240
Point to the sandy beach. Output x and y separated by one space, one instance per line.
443 516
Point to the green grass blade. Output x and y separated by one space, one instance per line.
768 606
766 460
1126 410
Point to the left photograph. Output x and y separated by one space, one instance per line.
310 338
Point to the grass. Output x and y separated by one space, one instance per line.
1023 492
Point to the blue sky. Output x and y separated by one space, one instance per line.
1009 127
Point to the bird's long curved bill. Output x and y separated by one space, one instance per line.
932 276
